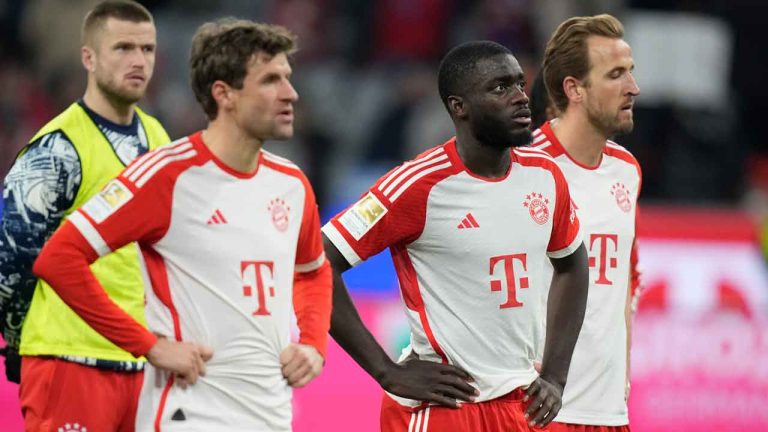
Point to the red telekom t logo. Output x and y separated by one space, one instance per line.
603 261
509 277
253 274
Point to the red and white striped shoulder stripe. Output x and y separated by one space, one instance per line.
400 179
540 139
148 165
271 157
534 152
619 152
613 146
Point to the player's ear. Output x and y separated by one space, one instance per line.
573 89
222 94
457 106
88 58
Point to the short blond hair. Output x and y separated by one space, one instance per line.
124 10
567 55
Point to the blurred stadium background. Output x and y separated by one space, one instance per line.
366 75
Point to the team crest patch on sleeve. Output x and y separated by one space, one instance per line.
114 195
359 219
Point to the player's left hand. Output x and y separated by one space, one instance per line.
544 402
300 364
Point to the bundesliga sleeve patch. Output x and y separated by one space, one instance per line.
114 195
359 219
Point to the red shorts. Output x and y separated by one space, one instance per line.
570 427
501 414
60 395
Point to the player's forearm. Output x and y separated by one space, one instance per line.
565 314
351 334
17 284
64 264
312 303
20 242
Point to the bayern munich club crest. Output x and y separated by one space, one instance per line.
280 213
620 192
538 207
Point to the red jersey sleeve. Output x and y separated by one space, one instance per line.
123 212
313 283
376 222
566 233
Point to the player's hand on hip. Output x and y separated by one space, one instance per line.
185 360
429 381
544 402
300 364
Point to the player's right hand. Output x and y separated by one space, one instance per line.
429 381
300 364
184 359
544 398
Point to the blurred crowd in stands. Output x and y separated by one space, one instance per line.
366 76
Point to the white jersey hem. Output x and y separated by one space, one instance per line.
591 420
568 250
341 244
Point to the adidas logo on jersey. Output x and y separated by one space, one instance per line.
178 415
468 222
217 218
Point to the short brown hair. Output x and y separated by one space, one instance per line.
222 50
124 10
566 54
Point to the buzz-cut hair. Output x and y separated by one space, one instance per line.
124 10
223 49
458 66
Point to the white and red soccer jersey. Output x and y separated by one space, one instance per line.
605 197
220 252
469 254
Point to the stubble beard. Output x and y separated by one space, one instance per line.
610 125
117 95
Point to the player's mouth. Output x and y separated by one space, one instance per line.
136 78
285 115
627 107
522 117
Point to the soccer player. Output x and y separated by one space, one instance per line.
588 73
65 163
230 241
470 224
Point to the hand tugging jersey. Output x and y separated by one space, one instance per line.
469 253
605 197
220 252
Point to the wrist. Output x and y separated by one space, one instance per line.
383 373
553 378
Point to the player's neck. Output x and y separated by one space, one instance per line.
483 160
111 110
583 142
232 146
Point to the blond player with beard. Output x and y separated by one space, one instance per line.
70 159
588 74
